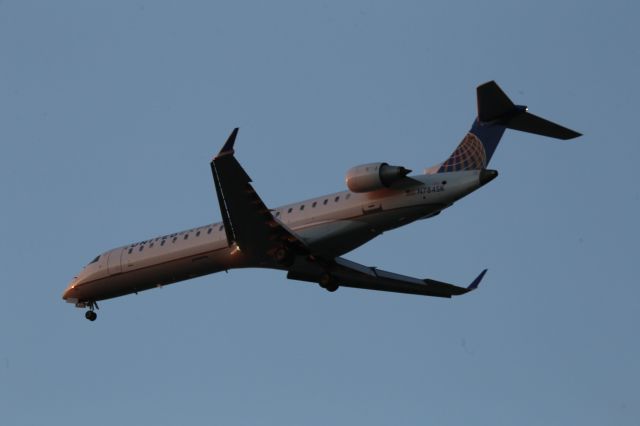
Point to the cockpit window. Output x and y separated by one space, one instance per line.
95 260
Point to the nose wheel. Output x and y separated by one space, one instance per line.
90 314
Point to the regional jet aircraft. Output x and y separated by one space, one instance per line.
307 239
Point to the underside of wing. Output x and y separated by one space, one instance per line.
247 221
345 273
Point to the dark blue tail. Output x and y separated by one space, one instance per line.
496 113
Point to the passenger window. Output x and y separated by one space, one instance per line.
174 239
348 196
209 230
141 247
221 226
290 210
337 199
163 241
95 260
151 245
302 207
186 236
315 203
325 202
198 234
277 214
130 250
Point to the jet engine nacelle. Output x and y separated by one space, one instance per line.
372 176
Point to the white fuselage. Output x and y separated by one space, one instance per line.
332 225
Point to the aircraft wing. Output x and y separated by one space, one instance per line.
247 221
346 273
250 225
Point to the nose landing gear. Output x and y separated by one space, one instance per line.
90 314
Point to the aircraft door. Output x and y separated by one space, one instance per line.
114 261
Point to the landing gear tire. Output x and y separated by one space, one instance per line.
328 283
91 315
331 287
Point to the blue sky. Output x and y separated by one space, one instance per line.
111 111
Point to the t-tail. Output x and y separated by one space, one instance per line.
496 113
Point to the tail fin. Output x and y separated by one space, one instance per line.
496 113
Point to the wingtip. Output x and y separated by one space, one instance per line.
573 134
476 282
227 148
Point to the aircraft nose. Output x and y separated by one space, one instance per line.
69 294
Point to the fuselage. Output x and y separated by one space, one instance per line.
332 225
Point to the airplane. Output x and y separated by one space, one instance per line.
307 239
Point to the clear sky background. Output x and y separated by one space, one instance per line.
111 111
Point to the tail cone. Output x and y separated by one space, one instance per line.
487 175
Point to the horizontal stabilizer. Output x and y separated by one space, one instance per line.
527 122
495 108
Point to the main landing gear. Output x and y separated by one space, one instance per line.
329 283
90 314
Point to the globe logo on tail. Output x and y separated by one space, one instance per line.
469 155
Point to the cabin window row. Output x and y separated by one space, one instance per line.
315 203
174 238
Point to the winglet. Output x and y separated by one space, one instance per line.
476 282
227 149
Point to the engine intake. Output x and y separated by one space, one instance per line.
373 176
